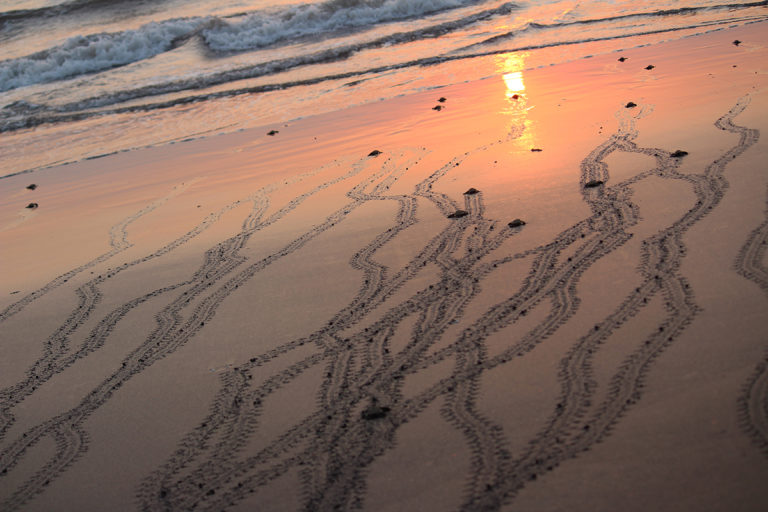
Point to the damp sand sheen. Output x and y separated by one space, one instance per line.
302 320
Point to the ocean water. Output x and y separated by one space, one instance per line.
84 78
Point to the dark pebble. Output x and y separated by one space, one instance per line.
31 187
32 206
593 183
458 214
622 59
515 96
631 104
441 100
375 152
471 191
536 150
650 67
517 223
737 42
437 107
374 412
272 133
679 153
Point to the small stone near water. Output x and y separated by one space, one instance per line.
622 59
737 42
458 214
631 104
374 412
31 187
471 191
437 107
649 67
442 100
517 223
272 133
679 153
536 150
593 183
375 152
32 206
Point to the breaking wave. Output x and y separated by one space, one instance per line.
98 52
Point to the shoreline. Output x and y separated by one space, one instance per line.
293 320
539 54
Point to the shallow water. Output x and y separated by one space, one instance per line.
84 78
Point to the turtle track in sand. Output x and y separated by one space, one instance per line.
361 404
753 402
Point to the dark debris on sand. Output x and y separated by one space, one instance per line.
32 206
437 107
375 152
272 133
622 59
631 104
649 67
593 183
458 214
516 223
374 412
736 42
31 187
472 191
442 100
536 150
679 153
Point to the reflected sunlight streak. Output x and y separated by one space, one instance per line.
511 66
514 83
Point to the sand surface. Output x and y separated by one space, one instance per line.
290 321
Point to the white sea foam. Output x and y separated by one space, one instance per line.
259 29
97 52
87 54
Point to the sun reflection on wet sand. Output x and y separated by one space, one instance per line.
511 68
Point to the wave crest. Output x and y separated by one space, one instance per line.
96 52
259 30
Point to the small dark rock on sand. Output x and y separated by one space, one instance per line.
441 100
737 42
374 412
458 214
31 187
437 107
517 223
631 104
375 152
515 96
272 133
622 59
679 153
593 183
536 150
32 206
471 191
649 67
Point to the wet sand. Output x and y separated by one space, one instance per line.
300 320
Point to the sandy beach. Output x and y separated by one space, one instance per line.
542 291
